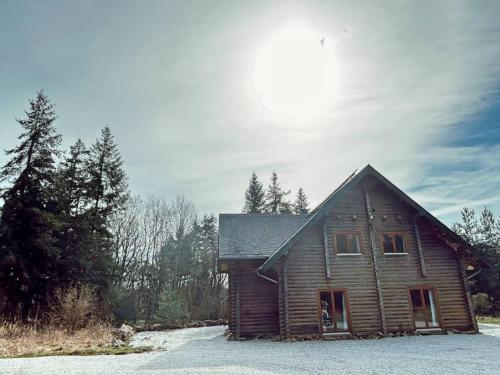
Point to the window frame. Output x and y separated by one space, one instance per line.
426 308
332 291
348 232
393 234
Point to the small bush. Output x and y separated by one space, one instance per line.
482 303
172 307
74 307
122 302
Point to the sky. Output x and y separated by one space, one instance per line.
417 94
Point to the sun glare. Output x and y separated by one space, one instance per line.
294 73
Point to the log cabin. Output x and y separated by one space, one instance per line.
368 259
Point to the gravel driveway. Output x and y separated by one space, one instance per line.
206 351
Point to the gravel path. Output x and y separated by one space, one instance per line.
206 351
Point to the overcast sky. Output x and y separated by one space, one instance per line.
417 94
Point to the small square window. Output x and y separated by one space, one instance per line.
393 242
347 243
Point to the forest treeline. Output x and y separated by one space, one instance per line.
274 199
68 221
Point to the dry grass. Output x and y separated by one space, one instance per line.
71 326
491 319
22 340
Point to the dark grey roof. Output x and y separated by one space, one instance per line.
249 236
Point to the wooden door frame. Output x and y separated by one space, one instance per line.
347 307
437 302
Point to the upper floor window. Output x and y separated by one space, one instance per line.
347 243
394 242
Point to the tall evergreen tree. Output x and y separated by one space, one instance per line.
301 204
107 192
276 201
72 179
254 196
29 260
71 201
108 186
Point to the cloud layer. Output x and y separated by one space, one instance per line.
174 81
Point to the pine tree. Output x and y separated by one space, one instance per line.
276 201
468 228
300 205
75 231
108 185
484 234
72 179
107 193
254 196
29 260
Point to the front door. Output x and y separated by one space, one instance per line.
425 308
334 311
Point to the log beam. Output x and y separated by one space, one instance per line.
326 250
376 269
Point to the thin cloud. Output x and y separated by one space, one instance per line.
174 81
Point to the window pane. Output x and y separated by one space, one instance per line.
400 243
326 311
418 308
342 243
431 307
340 311
353 241
387 241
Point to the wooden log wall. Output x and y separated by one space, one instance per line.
307 274
400 272
258 301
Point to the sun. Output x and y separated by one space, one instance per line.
294 73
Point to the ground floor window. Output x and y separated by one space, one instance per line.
334 310
424 308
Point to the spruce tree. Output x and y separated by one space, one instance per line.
107 186
276 201
107 193
254 196
72 179
71 200
301 204
29 259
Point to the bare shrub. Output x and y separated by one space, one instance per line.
74 307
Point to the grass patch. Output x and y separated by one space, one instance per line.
489 319
36 340
109 350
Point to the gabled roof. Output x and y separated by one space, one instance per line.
337 195
255 236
